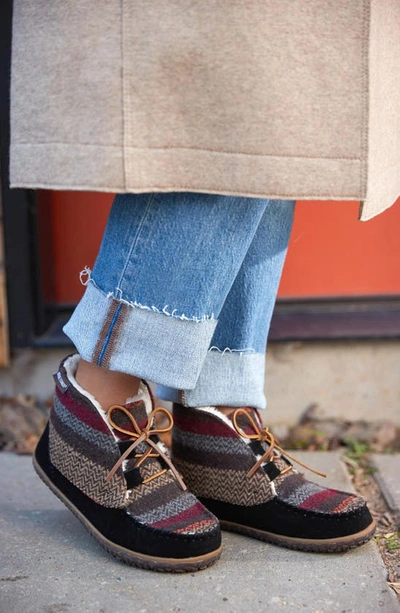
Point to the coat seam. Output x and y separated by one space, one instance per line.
123 94
244 153
117 189
365 98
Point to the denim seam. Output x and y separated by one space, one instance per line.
134 243
115 331
98 349
108 335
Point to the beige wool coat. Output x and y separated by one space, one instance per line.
270 98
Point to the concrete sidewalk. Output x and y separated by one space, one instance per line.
388 477
48 563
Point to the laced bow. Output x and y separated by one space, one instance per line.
139 436
265 436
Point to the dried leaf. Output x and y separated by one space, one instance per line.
22 420
385 436
395 587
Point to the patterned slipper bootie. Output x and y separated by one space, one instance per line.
235 467
112 471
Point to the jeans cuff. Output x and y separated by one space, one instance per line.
230 379
113 334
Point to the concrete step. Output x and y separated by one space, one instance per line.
388 477
349 379
49 563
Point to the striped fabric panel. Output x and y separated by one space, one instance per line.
101 440
324 501
351 503
226 485
301 492
154 494
168 509
84 446
145 489
216 444
83 410
86 475
203 424
188 521
228 461
199 526
294 489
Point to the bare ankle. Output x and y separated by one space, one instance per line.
107 386
226 410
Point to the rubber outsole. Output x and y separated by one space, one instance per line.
333 545
140 560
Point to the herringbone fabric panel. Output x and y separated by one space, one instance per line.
104 441
168 509
226 485
86 475
145 489
213 444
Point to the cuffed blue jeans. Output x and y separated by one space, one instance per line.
182 294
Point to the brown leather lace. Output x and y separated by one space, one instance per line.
265 436
138 436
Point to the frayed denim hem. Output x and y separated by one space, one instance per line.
86 279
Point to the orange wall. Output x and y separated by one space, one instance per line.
71 225
330 252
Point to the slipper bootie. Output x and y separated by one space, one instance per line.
236 468
113 473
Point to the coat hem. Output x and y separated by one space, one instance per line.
98 168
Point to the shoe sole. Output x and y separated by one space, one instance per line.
332 545
133 558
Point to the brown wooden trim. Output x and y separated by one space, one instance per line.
336 318
295 320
